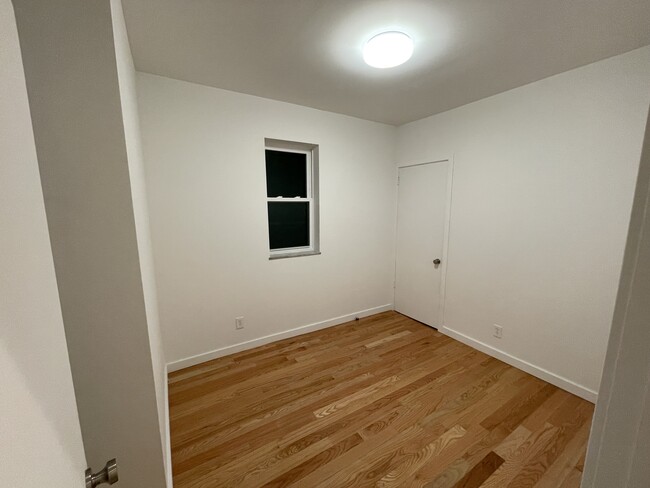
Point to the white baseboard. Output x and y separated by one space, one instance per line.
541 373
168 444
242 346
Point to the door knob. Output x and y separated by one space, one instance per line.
107 475
436 261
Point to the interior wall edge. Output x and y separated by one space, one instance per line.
242 346
168 438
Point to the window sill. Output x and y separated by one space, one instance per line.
293 255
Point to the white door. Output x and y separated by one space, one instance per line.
40 437
421 228
70 52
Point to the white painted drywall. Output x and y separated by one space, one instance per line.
40 438
542 192
72 80
205 171
128 97
619 447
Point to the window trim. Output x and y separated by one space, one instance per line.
311 152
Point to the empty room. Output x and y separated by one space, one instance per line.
325 243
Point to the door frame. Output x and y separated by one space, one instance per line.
445 241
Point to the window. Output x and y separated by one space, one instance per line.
292 198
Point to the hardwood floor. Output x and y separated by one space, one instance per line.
383 401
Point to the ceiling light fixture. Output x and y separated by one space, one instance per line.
388 49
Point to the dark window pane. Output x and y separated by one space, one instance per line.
288 224
286 174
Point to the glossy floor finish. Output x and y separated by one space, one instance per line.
383 401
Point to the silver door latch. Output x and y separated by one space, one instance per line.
107 475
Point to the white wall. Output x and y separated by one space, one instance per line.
205 170
129 103
542 191
40 439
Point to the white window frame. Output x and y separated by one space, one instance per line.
310 151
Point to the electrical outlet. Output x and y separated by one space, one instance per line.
498 331
239 322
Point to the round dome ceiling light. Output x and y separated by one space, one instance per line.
388 49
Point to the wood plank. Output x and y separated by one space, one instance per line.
482 471
537 442
387 339
312 464
402 471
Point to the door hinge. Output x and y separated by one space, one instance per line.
398 181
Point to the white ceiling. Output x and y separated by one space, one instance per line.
309 51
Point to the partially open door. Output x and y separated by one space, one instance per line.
75 98
40 438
